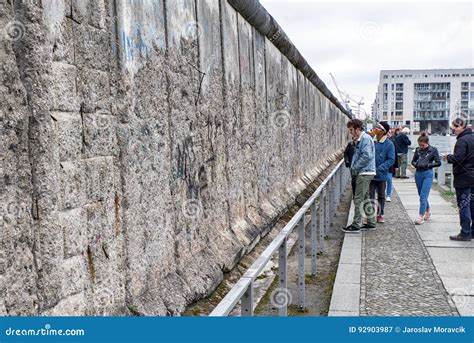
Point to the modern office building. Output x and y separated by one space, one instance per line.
425 99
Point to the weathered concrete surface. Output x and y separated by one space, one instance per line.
146 147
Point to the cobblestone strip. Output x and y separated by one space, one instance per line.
398 277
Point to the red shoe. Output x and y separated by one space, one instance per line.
380 219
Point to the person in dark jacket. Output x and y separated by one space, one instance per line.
384 159
402 142
463 171
426 158
348 154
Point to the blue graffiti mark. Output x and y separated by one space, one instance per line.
138 42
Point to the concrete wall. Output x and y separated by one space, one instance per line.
146 147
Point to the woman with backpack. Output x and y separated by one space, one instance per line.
426 158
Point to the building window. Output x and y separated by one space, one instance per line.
431 100
399 86
399 97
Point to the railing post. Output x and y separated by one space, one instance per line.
334 198
330 186
322 221
442 174
246 308
338 186
282 275
452 182
409 155
301 257
341 182
314 239
327 208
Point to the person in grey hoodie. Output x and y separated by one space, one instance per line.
363 168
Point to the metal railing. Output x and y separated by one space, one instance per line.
329 194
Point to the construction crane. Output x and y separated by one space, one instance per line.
359 104
343 95
346 98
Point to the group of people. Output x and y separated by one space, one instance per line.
376 157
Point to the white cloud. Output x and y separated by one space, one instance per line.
355 40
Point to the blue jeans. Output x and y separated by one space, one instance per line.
465 200
423 180
389 185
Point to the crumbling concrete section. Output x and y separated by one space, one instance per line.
146 147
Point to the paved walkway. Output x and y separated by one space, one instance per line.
454 261
405 269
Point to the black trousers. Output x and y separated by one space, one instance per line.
380 187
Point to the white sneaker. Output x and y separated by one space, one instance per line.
388 199
419 220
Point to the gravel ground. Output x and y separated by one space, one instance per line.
398 277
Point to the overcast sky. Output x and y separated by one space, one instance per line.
355 40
